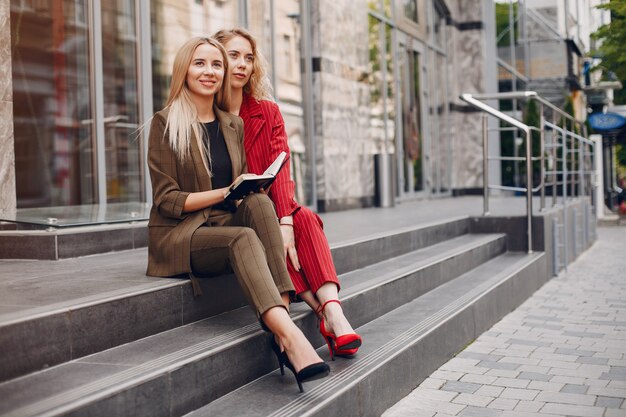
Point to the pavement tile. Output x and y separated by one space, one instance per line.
529 406
534 369
480 356
534 343
503 404
479 412
593 360
574 352
473 400
432 383
457 386
527 414
609 402
546 386
611 412
566 398
489 391
553 363
447 375
575 389
535 376
607 392
478 379
520 361
596 383
617 384
519 394
617 362
511 382
499 365
568 379
502 373
513 353
572 410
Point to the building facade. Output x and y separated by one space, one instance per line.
369 92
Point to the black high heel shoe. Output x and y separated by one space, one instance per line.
308 373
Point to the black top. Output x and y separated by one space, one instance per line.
221 165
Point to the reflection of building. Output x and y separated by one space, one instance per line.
368 92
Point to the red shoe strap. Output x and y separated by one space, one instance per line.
328 302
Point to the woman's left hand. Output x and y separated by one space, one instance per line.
290 245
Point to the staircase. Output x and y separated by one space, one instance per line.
110 341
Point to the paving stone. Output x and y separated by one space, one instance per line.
565 398
447 375
609 402
520 361
457 386
478 379
574 389
529 406
503 404
573 410
574 352
611 412
593 360
527 414
432 383
552 363
607 392
478 412
512 382
479 356
568 379
519 394
513 353
534 369
534 376
546 386
489 391
499 365
502 373
473 400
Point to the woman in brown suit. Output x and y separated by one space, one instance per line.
195 152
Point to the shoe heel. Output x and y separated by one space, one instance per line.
331 350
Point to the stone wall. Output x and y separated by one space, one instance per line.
472 67
345 160
7 154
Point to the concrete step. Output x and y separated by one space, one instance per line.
71 308
176 371
402 347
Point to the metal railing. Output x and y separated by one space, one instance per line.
562 139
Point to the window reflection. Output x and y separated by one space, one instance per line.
410 10
52 115
121 107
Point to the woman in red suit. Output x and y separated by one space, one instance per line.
308 255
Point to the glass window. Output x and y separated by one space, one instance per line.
52 112
123 156
173 22
412 124
410 10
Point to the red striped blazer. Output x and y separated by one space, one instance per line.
264 138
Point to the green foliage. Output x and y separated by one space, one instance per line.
613 40
502 23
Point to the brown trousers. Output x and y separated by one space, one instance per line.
251 244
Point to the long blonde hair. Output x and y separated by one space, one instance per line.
259 85
182 118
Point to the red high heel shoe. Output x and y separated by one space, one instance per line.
344 345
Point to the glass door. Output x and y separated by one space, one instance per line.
411 141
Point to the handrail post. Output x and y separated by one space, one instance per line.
581 175
485 166
542 147
529 190
555 160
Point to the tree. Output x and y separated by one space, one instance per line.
613 39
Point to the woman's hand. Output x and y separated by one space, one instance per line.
290 245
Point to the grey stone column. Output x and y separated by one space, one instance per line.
8 202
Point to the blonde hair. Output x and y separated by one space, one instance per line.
182 118
258 86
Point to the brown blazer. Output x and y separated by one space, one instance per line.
169 229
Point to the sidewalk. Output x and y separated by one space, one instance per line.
561 353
